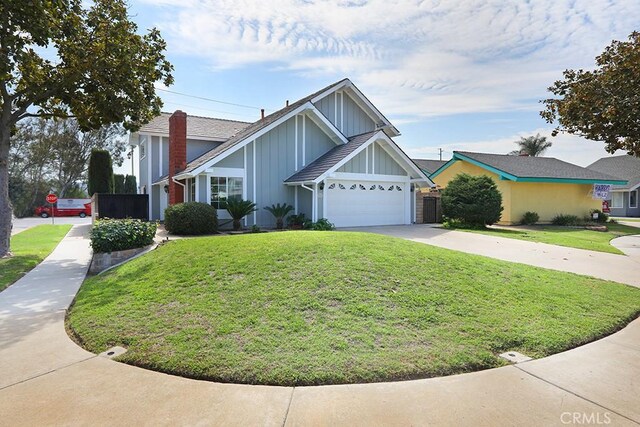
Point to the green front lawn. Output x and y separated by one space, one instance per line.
298 308
29 248
579 238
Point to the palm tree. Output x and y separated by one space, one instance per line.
238 209
279 211
533 146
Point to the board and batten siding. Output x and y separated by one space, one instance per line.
384 163
352 121
274 163
143 178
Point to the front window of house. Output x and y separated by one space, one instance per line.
633 199
616 200
192 189
223 188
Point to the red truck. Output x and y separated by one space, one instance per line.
66 207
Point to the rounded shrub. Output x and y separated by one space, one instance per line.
472 200
602 216
191 218
108 235
566 220
530 218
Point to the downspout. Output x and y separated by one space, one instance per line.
313 201
184 188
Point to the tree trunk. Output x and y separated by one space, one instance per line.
5 203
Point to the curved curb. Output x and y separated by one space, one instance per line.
85 389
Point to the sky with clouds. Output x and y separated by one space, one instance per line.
456 75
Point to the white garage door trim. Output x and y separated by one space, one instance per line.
352 203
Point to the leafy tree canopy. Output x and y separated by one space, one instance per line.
603 104
70 58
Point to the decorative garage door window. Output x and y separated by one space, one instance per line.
362 187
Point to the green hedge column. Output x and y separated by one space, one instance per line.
100 172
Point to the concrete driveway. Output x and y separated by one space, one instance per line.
619 268
45 379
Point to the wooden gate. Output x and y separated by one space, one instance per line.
431 210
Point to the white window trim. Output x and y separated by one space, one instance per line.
209 194
613 205
636 205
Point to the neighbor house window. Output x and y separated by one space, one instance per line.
617 200
633 199
192 190
143 152
223 188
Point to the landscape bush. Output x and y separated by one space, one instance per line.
602 217
472 200
566 220
323 224
530 218
191 218
108 235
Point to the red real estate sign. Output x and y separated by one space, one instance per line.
52 198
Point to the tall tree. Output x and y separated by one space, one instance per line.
533 146
101 179
603 104
103 72
130 185
55 153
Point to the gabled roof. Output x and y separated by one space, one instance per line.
624 167
252 129
332 160
531 169
325 162
197 127
429 166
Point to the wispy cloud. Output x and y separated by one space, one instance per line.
414 58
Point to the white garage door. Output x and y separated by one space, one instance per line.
361 203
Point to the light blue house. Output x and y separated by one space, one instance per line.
624 198
330 155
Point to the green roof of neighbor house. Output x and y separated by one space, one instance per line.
624 167
429 166
531 169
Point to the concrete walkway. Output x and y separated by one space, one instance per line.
619 268
45 379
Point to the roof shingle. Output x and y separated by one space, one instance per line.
624 167
536 167
197 127
429 166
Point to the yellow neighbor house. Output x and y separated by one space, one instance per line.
543 185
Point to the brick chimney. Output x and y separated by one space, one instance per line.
177 154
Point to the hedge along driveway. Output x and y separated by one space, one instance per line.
301 308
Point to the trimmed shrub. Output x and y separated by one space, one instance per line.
108 235
566 220
602 217
472 200
100 175
323 224
191 218
118 183
530 218
130 185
